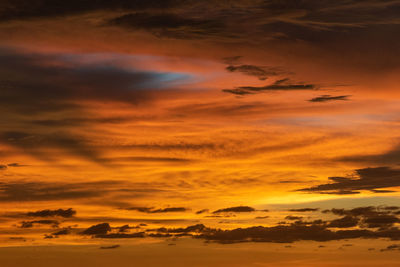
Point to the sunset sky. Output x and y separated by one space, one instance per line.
199 133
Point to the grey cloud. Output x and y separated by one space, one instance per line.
153 210
325 98
235 209
279 85
98 229
66 213
30 224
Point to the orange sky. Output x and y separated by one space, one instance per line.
268 126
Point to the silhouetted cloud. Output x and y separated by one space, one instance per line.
367 179
30 224
202 211
292 218
235 209
391 248
304 209
110 247
345 222
98 229
261 217
169 25
121 235
154 210
67 213
279 85
261 72
325 98
56 91
390 157
26 9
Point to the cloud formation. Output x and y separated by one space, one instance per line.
235 209
279 85
325 98
66 213
366 179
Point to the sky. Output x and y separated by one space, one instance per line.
209 133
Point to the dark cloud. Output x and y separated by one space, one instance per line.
149 159
98 229
293 218
62 232
26 9
15 164
38 88
261 217
367 179
30 224
293 233
41 191
202 211
235 209
110 247
304 209
93 192
349 29
261 72
121 235
391 156
66 213
345 222
3 167
154 210
169 25
391 248
370 217
279 85
325 98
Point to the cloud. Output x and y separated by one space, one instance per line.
25 9
3 167
261 72
235 209
293 218
279 85
62 232
121 235
153 210
345 222
169 25
30 224
391 247
50 93
370 217
110 247
98 229
304 209
67 213
366 179
389 157
102 192
42 191
325 98
202 211
15 164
